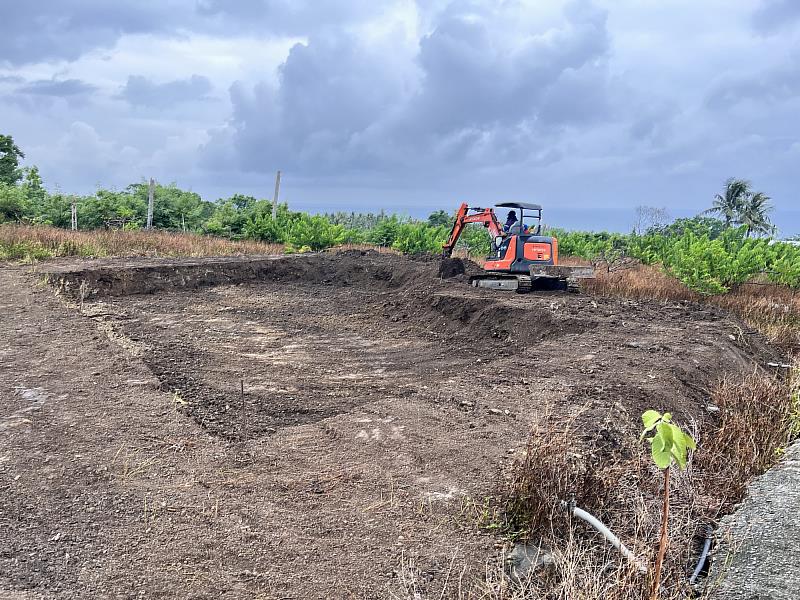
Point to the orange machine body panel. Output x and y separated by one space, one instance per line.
537 251
504 264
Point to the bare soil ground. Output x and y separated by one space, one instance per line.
380 404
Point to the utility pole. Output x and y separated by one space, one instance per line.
275 197
151 194
74 210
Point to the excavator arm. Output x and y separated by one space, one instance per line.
481 215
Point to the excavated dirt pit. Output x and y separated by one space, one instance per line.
320 336
380 403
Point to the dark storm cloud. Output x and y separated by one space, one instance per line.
141 91
63 88
472 78
65 29
480 92
776 14
46 30
329 92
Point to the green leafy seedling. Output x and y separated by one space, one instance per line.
669 441
668 444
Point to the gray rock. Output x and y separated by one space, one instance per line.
528 561
759 544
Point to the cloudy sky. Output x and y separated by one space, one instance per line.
591 107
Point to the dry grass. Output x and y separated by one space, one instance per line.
622 489
581 570
758 416
30 243
365 248
641 282
774 310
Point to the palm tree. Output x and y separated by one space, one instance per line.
729 205
753 214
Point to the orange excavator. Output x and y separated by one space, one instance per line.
521 258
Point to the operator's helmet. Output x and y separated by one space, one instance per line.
512 213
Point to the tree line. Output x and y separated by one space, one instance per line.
709 254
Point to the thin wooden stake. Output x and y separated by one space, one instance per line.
151 193
244 412
275 197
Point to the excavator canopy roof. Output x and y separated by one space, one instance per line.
521 205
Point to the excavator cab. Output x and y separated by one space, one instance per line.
522 245
533 225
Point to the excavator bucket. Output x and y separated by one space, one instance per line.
564 277
561 272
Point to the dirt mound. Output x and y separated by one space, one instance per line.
450 267
477 318
103 278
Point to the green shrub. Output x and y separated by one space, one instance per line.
27 251
313 232
418 238
385 232
704 259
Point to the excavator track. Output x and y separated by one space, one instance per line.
525 283
499 281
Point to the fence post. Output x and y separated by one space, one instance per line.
74 211
275 197
151 193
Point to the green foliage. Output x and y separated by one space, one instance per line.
313 232
709 255
360 221
669 443
13 203
264 228
355 236
108 206
54 210
440 218
699 225
385 232
226 220
173 208
10 154
29 251
476 239
704 256
589 245
242 202
785 265
740 205
33 187
418 238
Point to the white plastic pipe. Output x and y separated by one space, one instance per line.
615 541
